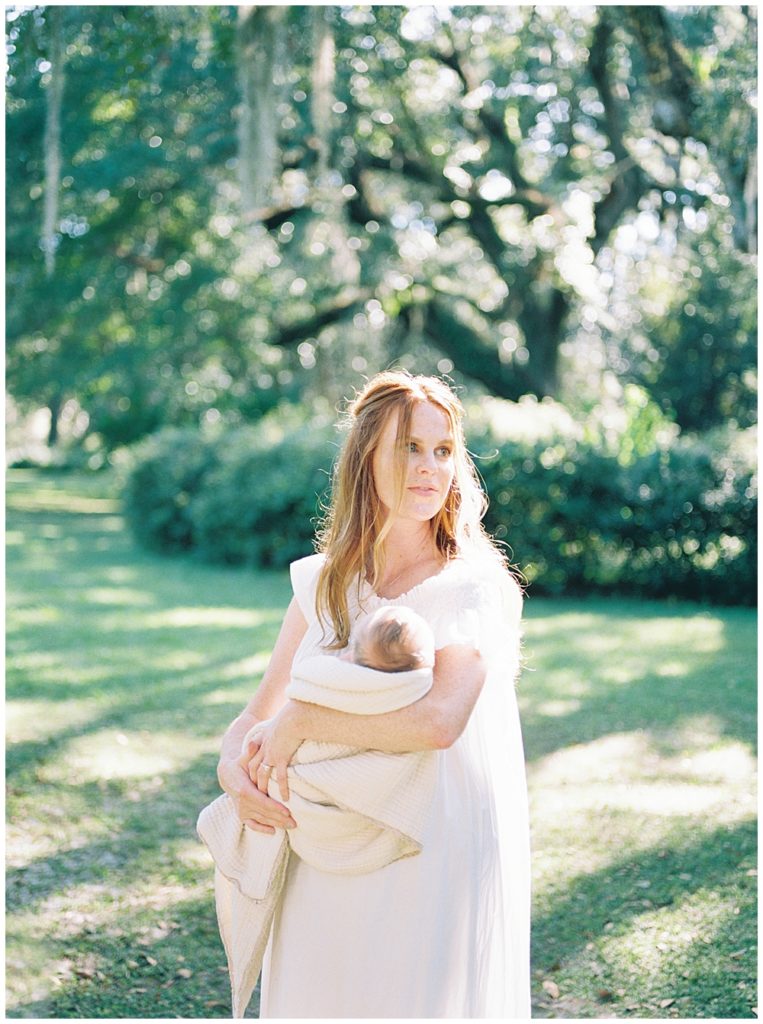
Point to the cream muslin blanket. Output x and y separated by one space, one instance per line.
356 811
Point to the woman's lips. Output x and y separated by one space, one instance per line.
423 490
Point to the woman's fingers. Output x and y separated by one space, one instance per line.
257 827
262 776
282 778
249 752
256 806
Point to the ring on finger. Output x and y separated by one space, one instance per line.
267 767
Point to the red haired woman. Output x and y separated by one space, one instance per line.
444 933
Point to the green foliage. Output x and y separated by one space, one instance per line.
168 472
245 496
648 519
259 504
678 521
491 205
691 337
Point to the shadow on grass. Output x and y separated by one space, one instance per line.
125 965
108 587
608 690
140 827
612 903
142 972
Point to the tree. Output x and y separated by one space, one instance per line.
453 187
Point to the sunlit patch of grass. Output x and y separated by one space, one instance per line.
226 618
117 754
643 802
124 669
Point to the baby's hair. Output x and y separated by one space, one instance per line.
393 638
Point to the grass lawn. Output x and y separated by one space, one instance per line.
124 668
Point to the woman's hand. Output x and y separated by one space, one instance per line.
255 809
272 748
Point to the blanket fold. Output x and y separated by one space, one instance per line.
356 811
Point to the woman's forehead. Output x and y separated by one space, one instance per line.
427 420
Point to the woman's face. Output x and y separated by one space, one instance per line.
430 463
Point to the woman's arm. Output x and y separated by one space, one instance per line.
433 722
257 810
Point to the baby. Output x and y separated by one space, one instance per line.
357 810
392 639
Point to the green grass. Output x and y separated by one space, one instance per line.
124 668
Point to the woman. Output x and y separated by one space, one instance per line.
445 933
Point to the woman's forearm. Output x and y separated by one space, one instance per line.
416 727
268 699
433 722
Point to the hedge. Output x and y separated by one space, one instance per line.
677 521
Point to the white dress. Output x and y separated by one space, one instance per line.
445 933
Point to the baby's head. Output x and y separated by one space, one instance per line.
393 639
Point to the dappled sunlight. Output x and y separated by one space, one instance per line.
194 854
38 616
621 784
550 625
117 595
52 838
729 763
672 669
625 758
558 708
246 667
180 661
24 848
30 720
225 617
53 499
672 931
106 906
121 754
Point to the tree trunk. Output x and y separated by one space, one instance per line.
53 100
54 406
324 52
259 41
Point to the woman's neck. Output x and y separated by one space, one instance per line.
410 556
408 544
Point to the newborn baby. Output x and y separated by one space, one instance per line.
392 639
357 810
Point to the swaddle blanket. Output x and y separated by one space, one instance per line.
356 811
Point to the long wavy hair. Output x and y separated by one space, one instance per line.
356 523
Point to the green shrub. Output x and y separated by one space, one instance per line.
168 472
260 503
665 520
679 521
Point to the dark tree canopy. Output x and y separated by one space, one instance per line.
251 203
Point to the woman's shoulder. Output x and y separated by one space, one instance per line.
474 581
308 564
304 574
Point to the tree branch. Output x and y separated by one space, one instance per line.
473 355
628 185
669 75
313 325
492 124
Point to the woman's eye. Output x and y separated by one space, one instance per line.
411 446
445 452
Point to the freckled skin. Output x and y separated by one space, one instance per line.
430 464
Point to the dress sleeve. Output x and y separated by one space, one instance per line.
480 613
304 581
